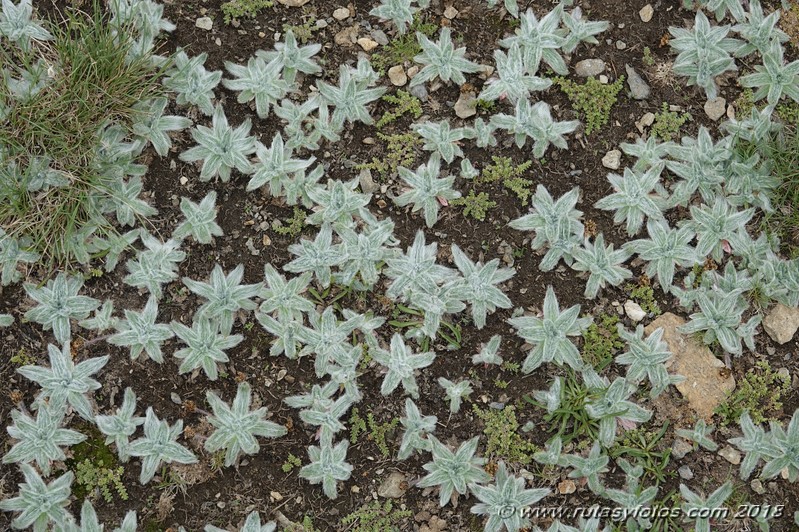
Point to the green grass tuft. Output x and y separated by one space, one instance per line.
236 9
593 100
476 206
90 83
667 123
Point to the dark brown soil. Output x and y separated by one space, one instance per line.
223 497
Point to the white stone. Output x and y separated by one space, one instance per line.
394 486
466 105
730 454
634 311
341 13
715 108
646 13
603 79
397 76
450 12
367 44
204 23
589 67
612 160
781 323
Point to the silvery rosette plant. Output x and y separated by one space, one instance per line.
221 148
237 426
40 440
442 60
38 503
328 466
159 445
428 191
549 334
65 383
453 471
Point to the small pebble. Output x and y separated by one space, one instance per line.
367 44
646 13
612 160
204 23
450 12
341 13
397 76
730 454
685 472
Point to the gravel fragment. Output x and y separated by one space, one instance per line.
612 160
638 87
397 76
715 108
204 23
589 67
646 13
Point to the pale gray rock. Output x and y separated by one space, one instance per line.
612 160
397 76
393 487
646 13
730 454
341 13
716 108
639 89
781 323
204 23
634 311
589 67
466 105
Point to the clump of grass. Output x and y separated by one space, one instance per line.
503 441
593 100
403 47
400 150
236 9
648 449
783 153
376 517
476 206
292 226
570 420
667 123
290 463
643 294
303 32
403 103
760 392
601 341
376 432
90 82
